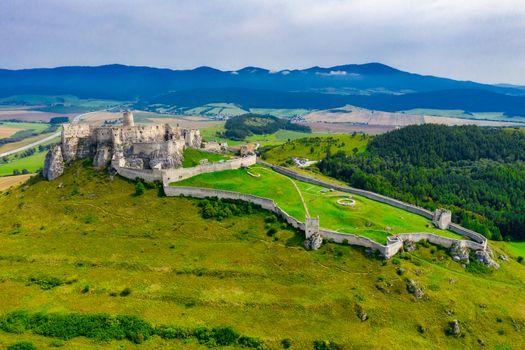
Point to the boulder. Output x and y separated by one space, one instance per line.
313 242
102 156
414 289
409 246
460 253
54 163
485 258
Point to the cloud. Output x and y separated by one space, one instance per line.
481 40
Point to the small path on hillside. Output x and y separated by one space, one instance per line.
297 189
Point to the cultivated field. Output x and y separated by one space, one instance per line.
6 131
9 181
94 238
359 119
29 115
367 218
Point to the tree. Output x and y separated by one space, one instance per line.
139 188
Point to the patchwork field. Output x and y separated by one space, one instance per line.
32 163
29 115
364 117
367 218
94 238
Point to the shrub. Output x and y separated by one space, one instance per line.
272 231
286 343
139 188
396 261
22 345
125 292
326 345
85 289
520 259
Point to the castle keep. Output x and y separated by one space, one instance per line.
129 146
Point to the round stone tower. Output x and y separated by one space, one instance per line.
127 119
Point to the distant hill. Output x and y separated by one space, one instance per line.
371 85
471 100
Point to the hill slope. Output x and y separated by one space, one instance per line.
93 239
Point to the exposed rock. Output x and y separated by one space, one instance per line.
54 163
460 253
164 159
414 289
409 246
102 156
60 185
485 258
313 242
452 280
503 257
361 314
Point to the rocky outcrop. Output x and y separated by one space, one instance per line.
313 242
409 246
485 258
453 328
102 157
442 218
54 163
414 289
460 253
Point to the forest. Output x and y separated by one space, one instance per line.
477 173
240 127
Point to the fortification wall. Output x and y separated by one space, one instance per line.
380 198
371 195
174 175
148 175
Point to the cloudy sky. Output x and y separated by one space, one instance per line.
481 40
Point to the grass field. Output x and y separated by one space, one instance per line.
367 218
281 113
98 238
32 163
192 157
314 148
458 113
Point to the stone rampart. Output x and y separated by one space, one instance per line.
380 198
148 175
174 175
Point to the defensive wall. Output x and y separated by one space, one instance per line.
380 198
394 243
178 174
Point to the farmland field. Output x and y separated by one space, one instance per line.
8 181
367 218
95 238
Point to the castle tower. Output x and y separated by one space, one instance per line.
127 119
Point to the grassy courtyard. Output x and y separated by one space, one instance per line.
193 157
367 218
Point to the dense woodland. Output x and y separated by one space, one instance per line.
238 128
477 173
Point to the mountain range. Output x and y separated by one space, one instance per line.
372 85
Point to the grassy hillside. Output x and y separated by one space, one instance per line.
192 157
97 239
315 148
77 247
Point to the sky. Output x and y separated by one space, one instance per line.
479 40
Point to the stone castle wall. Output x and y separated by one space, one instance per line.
174 175
380 198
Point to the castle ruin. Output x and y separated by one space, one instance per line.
130 146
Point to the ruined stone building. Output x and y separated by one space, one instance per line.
131 146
